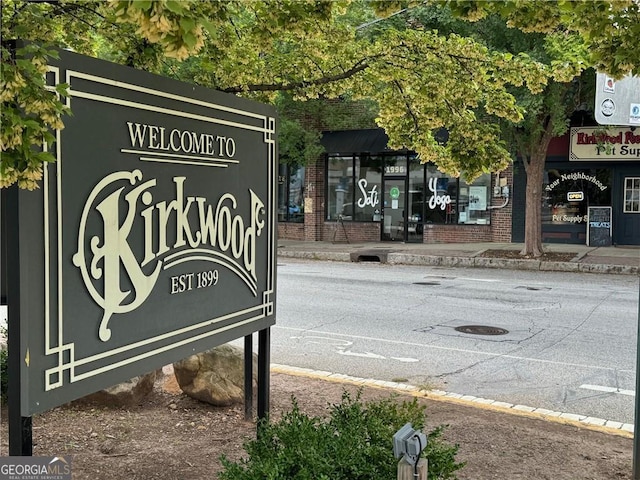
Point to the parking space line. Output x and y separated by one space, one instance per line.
601 388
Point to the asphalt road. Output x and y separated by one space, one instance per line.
569 345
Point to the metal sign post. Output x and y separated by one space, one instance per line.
618 103
264 360
248 377
20 428
636 422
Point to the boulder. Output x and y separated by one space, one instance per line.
215 376
125 394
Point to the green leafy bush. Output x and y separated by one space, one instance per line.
353 443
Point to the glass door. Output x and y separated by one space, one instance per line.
393 209
416 201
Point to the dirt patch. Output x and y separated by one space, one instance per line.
172 437
515 254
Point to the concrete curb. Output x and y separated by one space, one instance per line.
330 256
469 262
582 421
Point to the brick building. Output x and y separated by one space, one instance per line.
363 192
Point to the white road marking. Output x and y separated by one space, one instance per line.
405 359
349 353
488 280
461 350
600 388
324 340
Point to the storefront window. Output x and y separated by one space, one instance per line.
340 188
473 201
568 194
369 184
291 193
355 183
453 200
442 194
632 195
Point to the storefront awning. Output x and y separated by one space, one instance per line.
355 141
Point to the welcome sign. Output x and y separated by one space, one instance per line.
153 235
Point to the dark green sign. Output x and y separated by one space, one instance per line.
151 238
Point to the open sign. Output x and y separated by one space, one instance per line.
575 196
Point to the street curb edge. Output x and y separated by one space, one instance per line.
582 421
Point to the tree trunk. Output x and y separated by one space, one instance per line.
533 210
534 167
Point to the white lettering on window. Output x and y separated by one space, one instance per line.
369 197
435 200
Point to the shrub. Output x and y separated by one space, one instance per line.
353 443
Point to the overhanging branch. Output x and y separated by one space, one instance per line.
272 87
407 105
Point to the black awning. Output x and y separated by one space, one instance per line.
355 141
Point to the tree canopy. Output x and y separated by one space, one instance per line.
421 79
602 35
609 29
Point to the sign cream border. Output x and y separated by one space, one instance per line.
605 152
66 352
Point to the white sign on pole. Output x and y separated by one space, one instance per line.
617 101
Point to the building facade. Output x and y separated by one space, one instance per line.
362 191
588 168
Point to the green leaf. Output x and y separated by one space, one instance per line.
174 6
45 157
143 4
190 39
51 53
62 88
32 124
209 27
24 64
49 138
187 24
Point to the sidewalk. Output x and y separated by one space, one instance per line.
613 260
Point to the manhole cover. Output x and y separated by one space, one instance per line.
535 289
426 283
481 330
